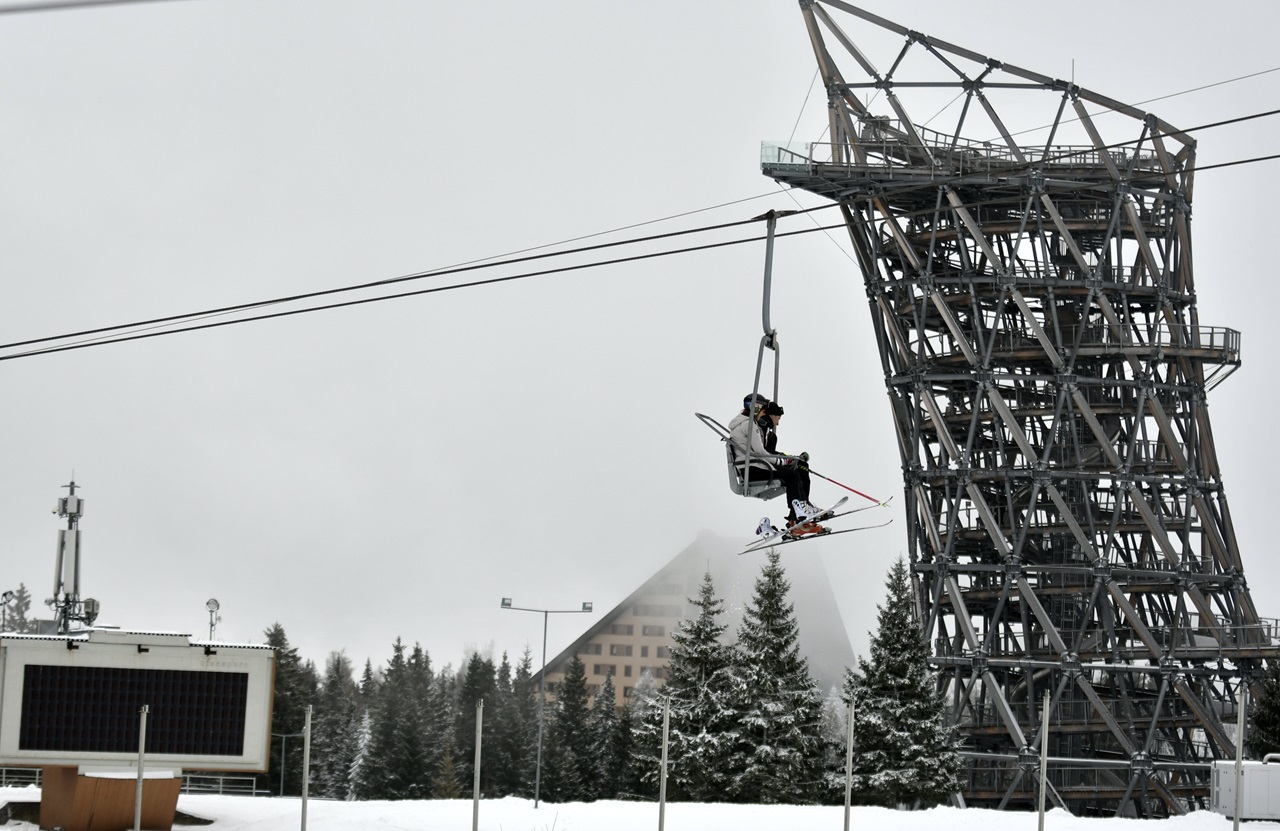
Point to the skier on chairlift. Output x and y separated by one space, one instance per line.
756 428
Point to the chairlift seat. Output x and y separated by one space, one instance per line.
758 487
762 488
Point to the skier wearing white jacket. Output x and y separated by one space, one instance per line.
746 431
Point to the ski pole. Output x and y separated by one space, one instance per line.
846 487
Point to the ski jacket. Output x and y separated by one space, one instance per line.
744 433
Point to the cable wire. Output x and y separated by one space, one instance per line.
462 269
401 295
489 263
57 5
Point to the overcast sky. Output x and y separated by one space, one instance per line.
394 469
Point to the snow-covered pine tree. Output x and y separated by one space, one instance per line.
524 738
367 692
440 707
606 761
19 608
646 735
567 772
395 763
703 723
478 682
904 752
363 735
499 757
629 785
430 735
295 686
445 785
779 752
334 725
1264 716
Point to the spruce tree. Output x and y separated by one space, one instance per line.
630 785
363 736
520 743
445 785
441 710
604 755
1264 729
295 686
478 683
18 609
395 765
498 748
904 752
779 752
334 728
366 694
703 725
568 770
645 723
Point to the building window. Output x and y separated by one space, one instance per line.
604 669
644 652
626 670
658 672
627 691
591 649
653 631
623 649
552 686
655 610
664 652
622 629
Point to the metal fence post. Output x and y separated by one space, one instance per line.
306 765
475 779
142 750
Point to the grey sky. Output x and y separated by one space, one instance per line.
394 469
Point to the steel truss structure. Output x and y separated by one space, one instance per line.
1034 306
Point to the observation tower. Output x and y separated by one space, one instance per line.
1032 293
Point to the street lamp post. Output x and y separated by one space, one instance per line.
542 681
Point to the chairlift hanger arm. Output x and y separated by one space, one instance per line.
771 224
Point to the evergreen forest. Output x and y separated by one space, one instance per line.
745 721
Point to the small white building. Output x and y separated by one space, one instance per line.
1259 789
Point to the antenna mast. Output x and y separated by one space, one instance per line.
66 601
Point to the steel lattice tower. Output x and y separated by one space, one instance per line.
1034 306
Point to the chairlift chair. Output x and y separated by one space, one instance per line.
766 488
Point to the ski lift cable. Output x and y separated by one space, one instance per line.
174 319
1152 100
58 5
473 265
432 290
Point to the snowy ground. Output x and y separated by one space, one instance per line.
241 813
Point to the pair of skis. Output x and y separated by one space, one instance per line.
769 536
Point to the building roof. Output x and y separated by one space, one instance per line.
823 639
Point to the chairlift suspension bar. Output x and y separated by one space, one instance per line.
770 338
771 220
